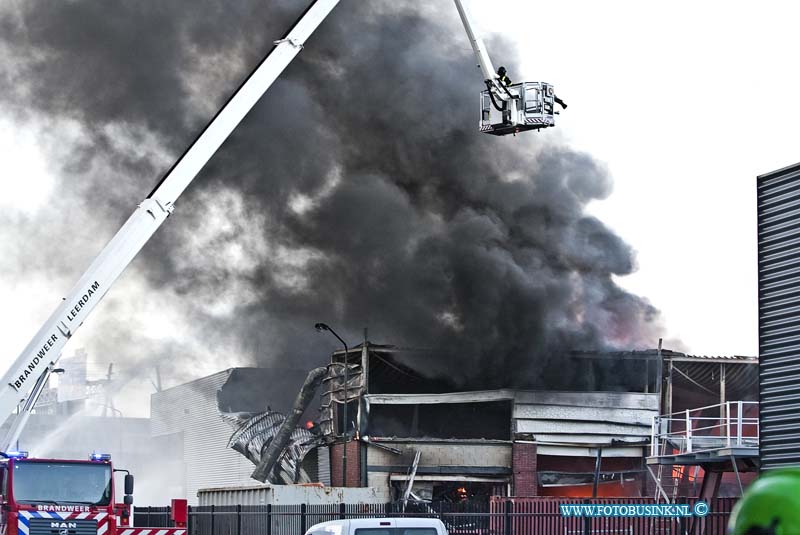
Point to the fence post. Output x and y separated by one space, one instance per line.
269 519
507 518
688 432
341 511
212 520
302 518
239 519
728 421
587 522
653 447
739 424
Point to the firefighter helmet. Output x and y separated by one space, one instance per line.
770 506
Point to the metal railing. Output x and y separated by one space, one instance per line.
692 431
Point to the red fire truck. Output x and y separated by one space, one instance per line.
60 497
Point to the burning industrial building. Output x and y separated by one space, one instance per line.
441 441
355 207
428 437
410 436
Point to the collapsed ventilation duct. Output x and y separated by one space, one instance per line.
273 442
254 433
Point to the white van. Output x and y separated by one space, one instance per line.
380 526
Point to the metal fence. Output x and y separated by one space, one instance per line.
532 516
503 516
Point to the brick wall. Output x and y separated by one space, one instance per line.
353 464
523 459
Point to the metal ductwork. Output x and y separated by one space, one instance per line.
272 449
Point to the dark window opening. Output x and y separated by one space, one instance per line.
613 371
352 417
484 420
396 373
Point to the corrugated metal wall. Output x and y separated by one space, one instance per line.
778 201
574 424
191 409
324 465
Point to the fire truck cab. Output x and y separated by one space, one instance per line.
61 497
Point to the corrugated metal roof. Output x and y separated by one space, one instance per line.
744 359
666 354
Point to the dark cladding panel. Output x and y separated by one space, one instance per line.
778 198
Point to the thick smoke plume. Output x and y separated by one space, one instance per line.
358 192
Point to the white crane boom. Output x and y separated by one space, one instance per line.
484 62
46 346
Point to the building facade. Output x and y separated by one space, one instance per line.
778 207
416 436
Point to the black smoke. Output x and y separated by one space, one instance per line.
358 192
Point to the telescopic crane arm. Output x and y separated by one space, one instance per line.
490 77
484 62
45 348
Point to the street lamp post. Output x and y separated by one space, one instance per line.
323 327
